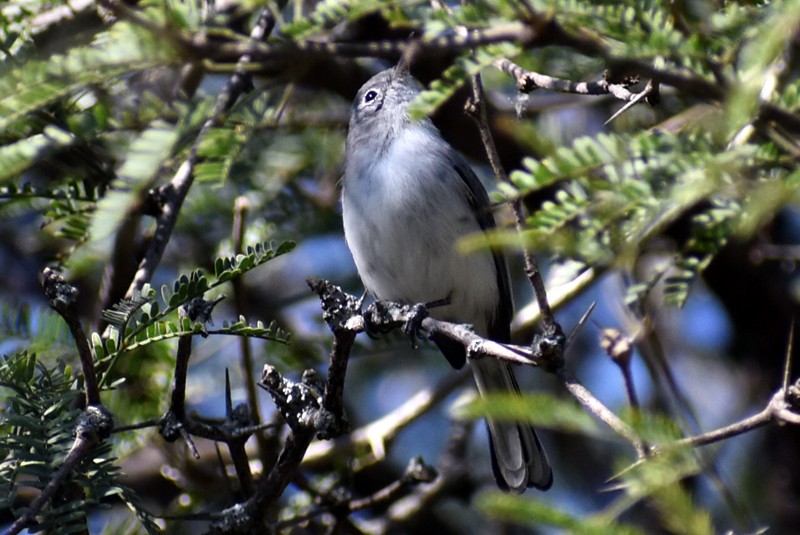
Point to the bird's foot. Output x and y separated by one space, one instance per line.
413 324
417 313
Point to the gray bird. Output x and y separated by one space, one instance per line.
407 198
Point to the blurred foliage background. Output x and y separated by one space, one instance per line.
678 219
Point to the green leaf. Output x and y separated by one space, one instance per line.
456 76
328 13
145 157
17 157
541 410
35 84
530 512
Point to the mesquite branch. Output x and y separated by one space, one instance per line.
381 316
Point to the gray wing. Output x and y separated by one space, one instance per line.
518 458
500 327
499 324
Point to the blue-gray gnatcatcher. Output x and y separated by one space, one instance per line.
407 198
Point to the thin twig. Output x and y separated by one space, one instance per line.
645 94
787 366
380 433
271 487
455 474
528 81
182 356
572 337
531 267
779 409
333 396
239 415
240 210
619 348
154 422
743 426
557 296
782 407
174 193
338 310
596 407
415 473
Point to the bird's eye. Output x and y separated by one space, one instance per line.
370 96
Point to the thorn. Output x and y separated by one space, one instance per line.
632 102
228 395
787 368
573 334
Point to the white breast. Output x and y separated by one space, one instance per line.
403 216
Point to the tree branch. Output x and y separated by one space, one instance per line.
94 426
381 432
478 109
416 472
63 297
528 81
383 316
173 194
783 407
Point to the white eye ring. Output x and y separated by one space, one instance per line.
370 95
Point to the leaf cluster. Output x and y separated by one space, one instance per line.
148 317
38 423
614 193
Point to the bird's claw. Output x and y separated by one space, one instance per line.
413 323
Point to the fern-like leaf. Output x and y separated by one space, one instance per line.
455 76
710 232
17 157
259 330
145 157
328 13
35 84
144 320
